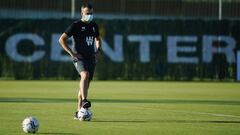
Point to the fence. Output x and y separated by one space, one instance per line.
228 9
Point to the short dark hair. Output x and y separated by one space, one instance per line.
87 5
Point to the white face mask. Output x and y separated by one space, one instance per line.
88 18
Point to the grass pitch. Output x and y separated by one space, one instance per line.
123 108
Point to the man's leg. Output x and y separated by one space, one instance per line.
83 91
86 77
79 100
84 84
80 96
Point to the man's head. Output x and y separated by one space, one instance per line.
86 12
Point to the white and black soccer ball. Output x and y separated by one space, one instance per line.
30 125
85 114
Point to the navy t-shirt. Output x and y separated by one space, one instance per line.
84 35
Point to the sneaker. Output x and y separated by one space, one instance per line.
86 103
76 116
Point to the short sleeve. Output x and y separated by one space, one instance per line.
70 30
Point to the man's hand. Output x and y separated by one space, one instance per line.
98 55
76 57
99 50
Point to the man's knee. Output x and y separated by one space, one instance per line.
84 75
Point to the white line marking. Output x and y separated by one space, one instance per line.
205 113
185 111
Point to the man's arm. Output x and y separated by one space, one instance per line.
98 42
63 42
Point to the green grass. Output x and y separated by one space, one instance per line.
123 108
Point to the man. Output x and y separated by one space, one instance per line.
86 35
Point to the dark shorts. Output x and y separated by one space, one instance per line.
85 65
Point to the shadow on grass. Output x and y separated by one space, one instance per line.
167 121
153 101
49 133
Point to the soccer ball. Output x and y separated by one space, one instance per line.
30 125
85 114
